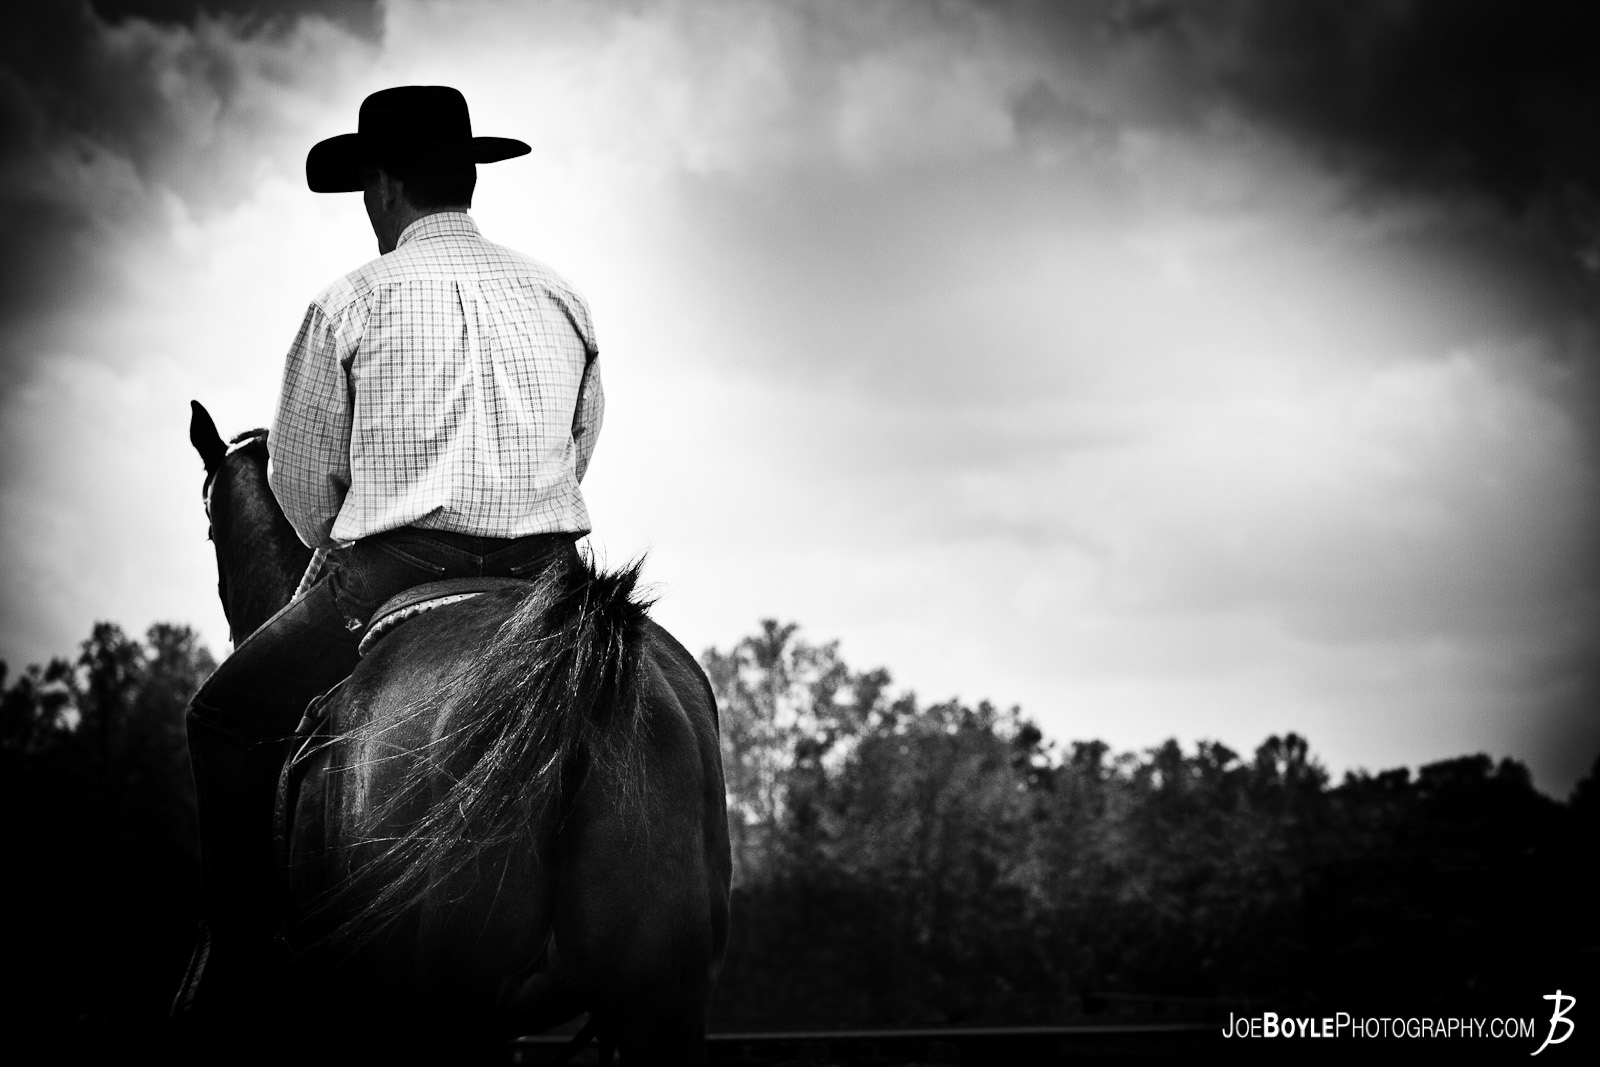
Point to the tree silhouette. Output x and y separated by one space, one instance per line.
919 864
96 786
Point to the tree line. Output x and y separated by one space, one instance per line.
101 891
914 865
895 863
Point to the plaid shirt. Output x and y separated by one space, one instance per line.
451 384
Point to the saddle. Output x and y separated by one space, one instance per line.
418 599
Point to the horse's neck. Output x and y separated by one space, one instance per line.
266 557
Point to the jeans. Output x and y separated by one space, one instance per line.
241 720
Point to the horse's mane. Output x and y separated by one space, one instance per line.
550 700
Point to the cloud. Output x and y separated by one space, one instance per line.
198 109
361 18
110 130
1489 96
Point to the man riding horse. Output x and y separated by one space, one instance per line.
439 408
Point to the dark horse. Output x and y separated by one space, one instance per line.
510 814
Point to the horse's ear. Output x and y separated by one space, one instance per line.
204 436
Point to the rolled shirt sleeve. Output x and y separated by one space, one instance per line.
310 440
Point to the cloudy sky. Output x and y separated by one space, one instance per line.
1202 370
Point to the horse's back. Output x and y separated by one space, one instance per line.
614 899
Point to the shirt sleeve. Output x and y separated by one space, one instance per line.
310 440
590 413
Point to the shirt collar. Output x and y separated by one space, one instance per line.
438 224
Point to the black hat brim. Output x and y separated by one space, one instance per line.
334 165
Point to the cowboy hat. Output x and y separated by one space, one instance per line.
419 124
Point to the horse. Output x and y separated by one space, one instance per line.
511 813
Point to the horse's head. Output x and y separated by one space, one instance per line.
259 557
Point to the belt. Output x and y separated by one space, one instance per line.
478 544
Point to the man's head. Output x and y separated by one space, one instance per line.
413 154
399 193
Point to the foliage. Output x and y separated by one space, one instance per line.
901 864
94 781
